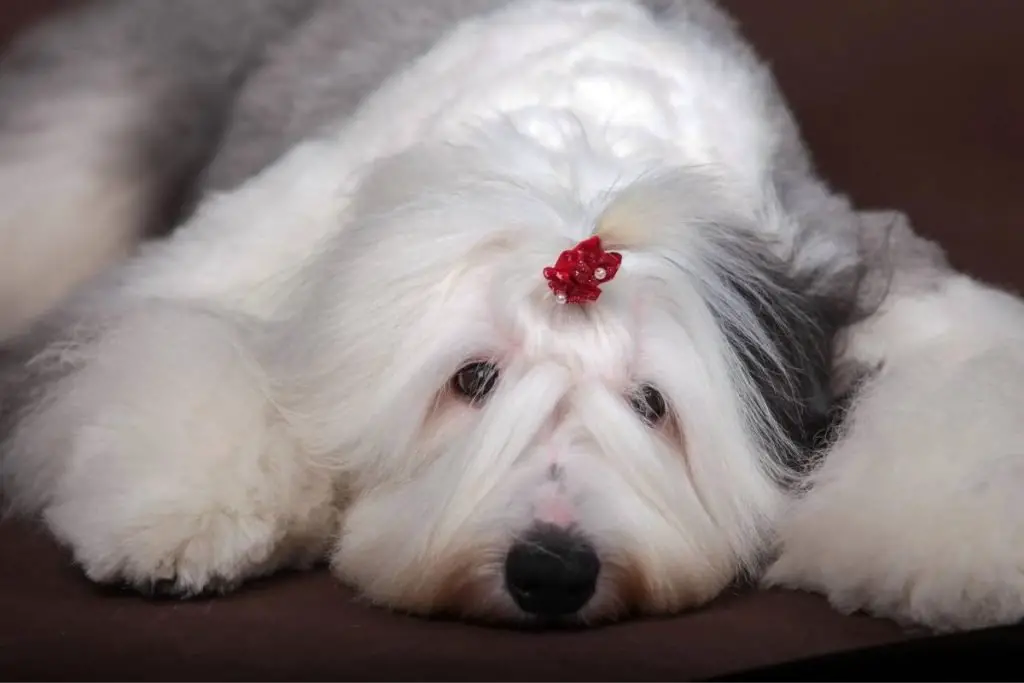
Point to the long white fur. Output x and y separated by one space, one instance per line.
270 380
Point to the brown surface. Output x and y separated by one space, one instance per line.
307 627
911 103
915 104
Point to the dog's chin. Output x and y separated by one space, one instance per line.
481 597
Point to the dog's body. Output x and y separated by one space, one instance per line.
347 349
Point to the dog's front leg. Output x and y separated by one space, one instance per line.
153 452
917 512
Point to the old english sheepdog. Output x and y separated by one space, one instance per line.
517 310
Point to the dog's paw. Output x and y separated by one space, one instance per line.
921 549
171 535
172 551
917 514
947 589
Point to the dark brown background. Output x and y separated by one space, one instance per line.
914 104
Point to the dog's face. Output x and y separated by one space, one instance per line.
506 456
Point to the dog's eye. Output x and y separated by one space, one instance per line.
649 404
475 380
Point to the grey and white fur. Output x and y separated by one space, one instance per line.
247 251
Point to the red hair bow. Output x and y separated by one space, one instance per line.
578 273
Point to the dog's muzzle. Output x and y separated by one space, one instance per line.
551 572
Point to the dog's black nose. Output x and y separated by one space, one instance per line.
551 572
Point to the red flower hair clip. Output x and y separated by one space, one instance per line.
579 272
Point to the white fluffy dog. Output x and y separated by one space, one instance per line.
530 311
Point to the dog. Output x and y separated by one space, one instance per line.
523 311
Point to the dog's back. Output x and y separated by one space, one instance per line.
106 115
117 118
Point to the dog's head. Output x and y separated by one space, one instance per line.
510 456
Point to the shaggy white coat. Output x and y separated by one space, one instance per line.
267 386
